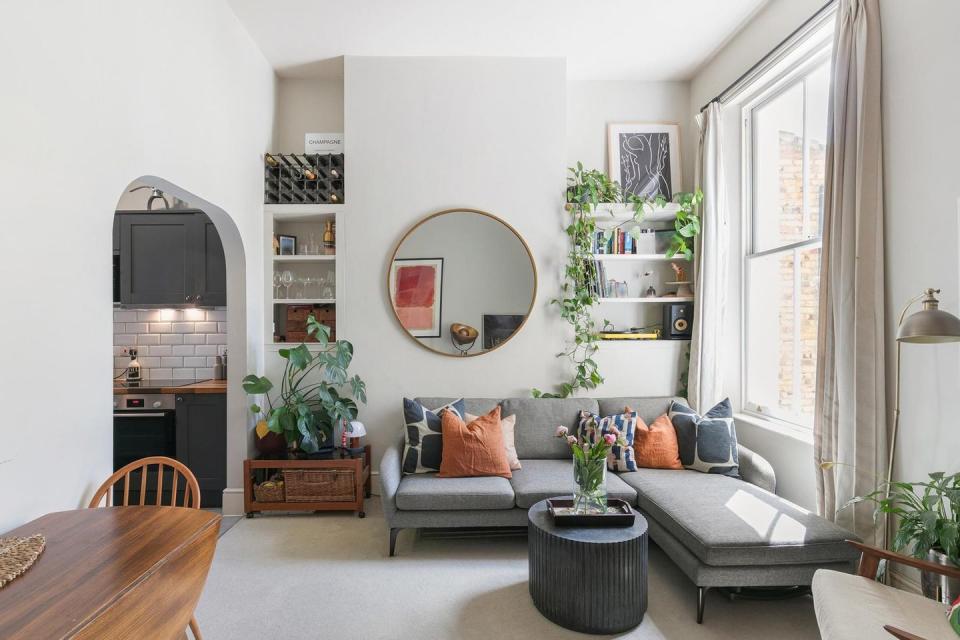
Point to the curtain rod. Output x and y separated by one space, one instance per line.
807 26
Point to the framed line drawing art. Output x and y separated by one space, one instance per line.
416 291
644 157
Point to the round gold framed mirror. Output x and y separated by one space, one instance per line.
462 282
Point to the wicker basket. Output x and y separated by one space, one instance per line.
321 485
269 491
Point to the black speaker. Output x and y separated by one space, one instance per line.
677 320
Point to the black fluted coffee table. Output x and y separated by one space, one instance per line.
592 580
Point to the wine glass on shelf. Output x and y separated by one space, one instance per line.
276 284
286 279
327 286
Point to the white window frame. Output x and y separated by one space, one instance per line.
766 90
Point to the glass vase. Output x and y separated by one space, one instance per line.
590 480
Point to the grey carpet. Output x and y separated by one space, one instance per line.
328 576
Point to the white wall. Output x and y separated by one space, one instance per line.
306 105
95 97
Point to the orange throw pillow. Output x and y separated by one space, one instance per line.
655 447
474 449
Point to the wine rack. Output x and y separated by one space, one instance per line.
303 178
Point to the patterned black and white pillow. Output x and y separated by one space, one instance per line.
423 447
708 443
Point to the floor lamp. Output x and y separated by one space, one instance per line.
930 325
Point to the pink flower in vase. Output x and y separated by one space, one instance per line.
571 440
561 431
610 439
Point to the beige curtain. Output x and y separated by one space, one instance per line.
705 376
850 429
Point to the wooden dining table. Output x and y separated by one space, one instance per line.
116 572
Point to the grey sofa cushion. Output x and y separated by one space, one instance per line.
649 408
538 419
476 406
427 492
542 479
726 522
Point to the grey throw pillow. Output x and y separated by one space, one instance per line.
708 443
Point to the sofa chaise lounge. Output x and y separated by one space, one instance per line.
720 531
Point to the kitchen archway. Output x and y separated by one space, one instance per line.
232 308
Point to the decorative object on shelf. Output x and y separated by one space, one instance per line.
590 468
498 328
928 526
17 555
329 237
463 337
276 245
287 245
677 320
683 285
356 431
650 292
303 178
317 391
480 262
416 291
584 276
644 157
322 143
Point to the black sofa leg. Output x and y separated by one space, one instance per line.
393 540
701 600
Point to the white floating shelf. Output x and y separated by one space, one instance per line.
304 300
650 299
660 341
620 212
299 210
323 258
628 257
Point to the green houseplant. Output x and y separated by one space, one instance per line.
316 392
586 190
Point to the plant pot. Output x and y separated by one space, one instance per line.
590 479
936 587
271 445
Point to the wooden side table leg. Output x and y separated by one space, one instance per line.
195 628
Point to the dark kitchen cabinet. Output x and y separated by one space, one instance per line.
171 259
202 442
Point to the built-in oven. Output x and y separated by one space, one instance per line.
143 426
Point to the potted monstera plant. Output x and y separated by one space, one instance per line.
315 394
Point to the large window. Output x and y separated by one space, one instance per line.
785 133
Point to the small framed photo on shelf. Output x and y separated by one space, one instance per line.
288 245
644 157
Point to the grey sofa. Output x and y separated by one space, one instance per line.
720 531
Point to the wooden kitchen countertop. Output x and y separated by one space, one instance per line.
206 386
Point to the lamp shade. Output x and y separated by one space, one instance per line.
930 324
357 430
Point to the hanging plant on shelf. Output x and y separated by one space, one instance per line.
586 190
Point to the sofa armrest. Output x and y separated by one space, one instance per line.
390 475
755 469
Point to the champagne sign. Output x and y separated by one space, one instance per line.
323 143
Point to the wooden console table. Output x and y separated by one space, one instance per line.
359 466
114 572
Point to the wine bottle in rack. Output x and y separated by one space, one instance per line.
270 160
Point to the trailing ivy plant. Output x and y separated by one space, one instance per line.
316 392
586 189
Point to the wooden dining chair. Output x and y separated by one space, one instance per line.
191 492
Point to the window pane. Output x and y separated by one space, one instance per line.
781 337
815 133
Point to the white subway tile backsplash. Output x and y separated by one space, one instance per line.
172 343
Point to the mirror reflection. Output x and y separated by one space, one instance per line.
462 282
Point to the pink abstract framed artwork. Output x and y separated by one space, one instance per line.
416 290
